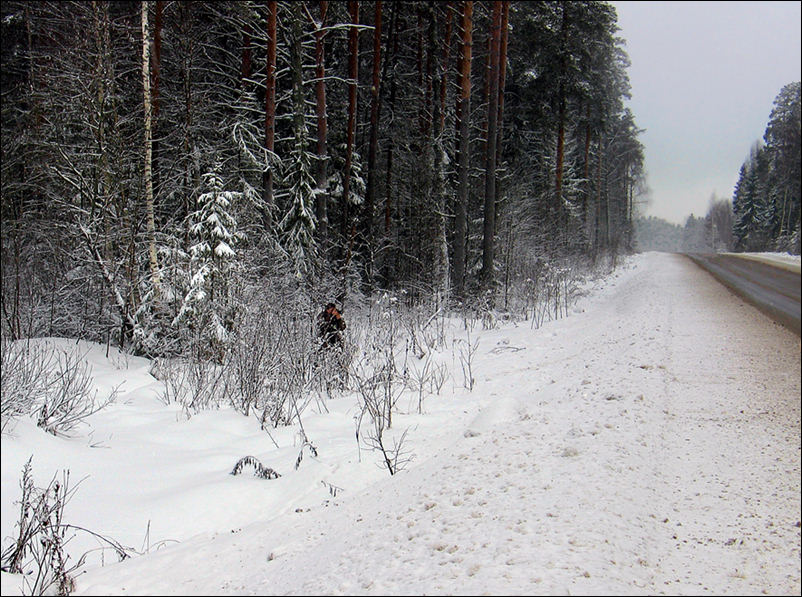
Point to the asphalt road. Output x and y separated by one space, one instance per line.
772 289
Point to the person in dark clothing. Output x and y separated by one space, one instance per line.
330 325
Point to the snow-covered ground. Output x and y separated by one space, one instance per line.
649 443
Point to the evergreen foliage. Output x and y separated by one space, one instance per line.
766 198
208 303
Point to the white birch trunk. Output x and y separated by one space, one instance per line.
148 174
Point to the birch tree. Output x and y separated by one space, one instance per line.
148 146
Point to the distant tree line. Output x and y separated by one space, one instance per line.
656 234
709 234
766 199
163 163
764 214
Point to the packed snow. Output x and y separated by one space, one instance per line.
648 443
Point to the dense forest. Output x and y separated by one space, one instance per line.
766 199
175 172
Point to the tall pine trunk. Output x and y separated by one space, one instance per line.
561 99
270 114
389 66
488 241
440 256
321 197
586 177
461 220
373 148
353 74
446 57
502 79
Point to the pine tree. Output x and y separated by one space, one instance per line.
488 240
783 149
321 172
298 183
464 107
752 213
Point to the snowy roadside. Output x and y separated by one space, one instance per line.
649 443
784 260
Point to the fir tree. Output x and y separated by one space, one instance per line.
208 304
752 210
783 147
299 184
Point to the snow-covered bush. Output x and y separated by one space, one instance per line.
542 290
23 380
378 394
252 363
426 378
208 304
379 375
466 350
271 362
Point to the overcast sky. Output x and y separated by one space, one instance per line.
704 77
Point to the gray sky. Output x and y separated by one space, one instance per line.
704 77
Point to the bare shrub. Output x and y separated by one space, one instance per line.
38 549
71 398
375 373
377 397
272 363
53 384
277 362
544 289
194 383
253 362
288 393
426 378
23 379
378 383
396 457
466 351
438 378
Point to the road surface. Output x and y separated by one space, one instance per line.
773 289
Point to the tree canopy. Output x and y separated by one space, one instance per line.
368 145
